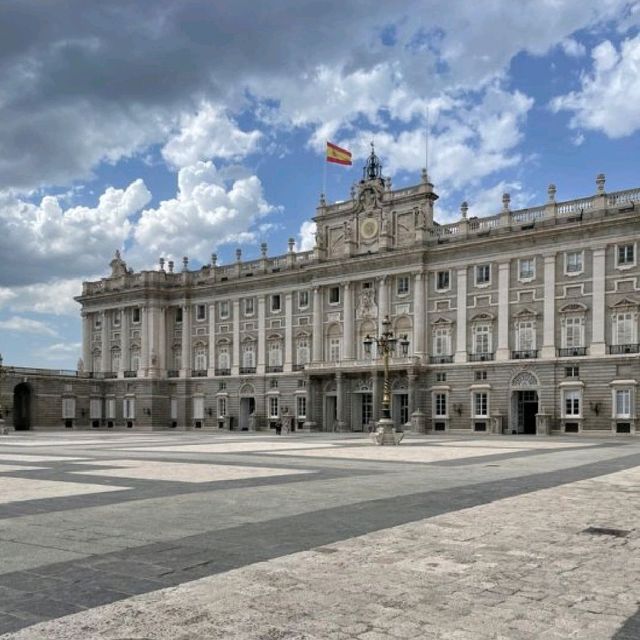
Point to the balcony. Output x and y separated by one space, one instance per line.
173 373
130 374
527 354
624 348
572 352
298 367
441 359
274 368
247 370
481 357
199 373
223 372
110 374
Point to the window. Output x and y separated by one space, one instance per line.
248 355
200 358
481 404
626 255
483 274
97 361
367 284
302 353
623 403
572 372
178 315
135 315
526 270
334 295
135 359
224 309
275 353
443 280
115 360
301 407
68 408
482 338
274 408
222 385
366 408
222 407
442 341
198 408
97 321
111 408
302 384
275 302
116 318
440 405
573 262
402 285
480 375
623 329
224 361
572 402
201 312
249 306
303 299
129 408
334 349
441 377
573 331
526 335
177 358
173 403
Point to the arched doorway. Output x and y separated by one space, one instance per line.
524 402
22 407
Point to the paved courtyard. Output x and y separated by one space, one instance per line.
255 536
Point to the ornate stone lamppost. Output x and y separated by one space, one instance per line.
386 344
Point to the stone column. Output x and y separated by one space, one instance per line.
461 319
105 361
288 332
162 339
262 330
185 372
502 352
125 342
212 340
86 341
419 315
153 341
549 319
317 325
598 346
376 396
340 401
411 377
235 358
144 342
348 322
383 301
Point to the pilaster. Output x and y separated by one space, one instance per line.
461 317
86 341
235 349
288 331
125 342
383 301
502 352
105 360
185 372
419 315
262 329
549 320
317 325
348 321
212 340
598 347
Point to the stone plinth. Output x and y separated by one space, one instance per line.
385 433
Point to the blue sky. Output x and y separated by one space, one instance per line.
171 129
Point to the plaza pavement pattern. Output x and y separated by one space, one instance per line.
310 536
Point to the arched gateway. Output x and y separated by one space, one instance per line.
524 402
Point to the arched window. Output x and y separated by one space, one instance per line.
275 352
135 359
97 361
115 360
177 358
224 361
200 357
302 349
334 343
249 354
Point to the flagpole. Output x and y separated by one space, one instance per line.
324 172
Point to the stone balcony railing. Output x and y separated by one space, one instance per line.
573 211
372 363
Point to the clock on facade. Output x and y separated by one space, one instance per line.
369 228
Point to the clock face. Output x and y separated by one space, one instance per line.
369 228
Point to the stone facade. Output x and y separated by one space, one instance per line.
522 322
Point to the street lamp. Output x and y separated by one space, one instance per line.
386 344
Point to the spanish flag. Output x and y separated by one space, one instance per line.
338 155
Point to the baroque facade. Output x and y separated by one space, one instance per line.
522 322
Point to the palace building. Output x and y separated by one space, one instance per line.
522 322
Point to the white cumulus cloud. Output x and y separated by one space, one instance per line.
609 95
20 324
